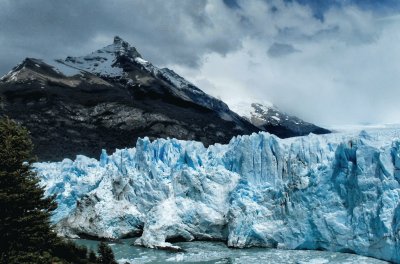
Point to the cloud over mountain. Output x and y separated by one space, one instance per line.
348 57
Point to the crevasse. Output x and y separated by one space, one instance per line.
337 192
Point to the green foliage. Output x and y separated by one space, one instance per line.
31 257
69 252
92 257
26 234
24 211
106 256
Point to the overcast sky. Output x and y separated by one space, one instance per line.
327 61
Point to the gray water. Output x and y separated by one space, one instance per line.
218 253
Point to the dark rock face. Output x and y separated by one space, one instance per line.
92 109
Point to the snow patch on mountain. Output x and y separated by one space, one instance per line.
103 61
264 113
14 74
66 70
247 110
268 117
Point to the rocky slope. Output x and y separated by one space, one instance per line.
108 99
337 192
269 118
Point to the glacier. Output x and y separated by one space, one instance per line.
336 192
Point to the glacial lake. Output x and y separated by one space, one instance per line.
217 252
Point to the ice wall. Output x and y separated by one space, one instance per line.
336 192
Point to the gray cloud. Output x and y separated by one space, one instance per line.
164 31
349 58
281 49
347 70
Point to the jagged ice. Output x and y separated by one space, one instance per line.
337 192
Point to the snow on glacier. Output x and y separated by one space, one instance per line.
337 192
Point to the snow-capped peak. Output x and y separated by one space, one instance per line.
123 48
122 62
119 41
267 116
248 110
106 62
265 113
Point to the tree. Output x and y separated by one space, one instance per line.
92 257
26 233
106 256
24 210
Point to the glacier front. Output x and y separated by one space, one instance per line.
337 192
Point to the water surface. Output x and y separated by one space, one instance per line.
216 252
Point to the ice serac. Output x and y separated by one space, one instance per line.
337 192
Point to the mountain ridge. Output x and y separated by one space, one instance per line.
107 100
267 117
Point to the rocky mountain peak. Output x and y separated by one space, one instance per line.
122 45
109 61
119 40
123 48
29 69
268 117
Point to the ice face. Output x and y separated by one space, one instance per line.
337 192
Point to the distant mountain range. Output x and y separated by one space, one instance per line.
109 98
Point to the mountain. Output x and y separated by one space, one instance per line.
108 99
336 192
268 117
